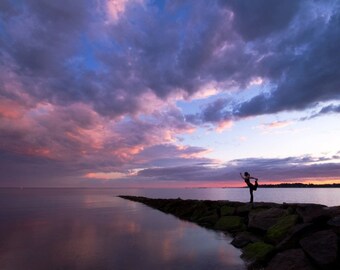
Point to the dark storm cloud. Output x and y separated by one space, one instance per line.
66 52
256 19
63 53
324 111
301 63
313 76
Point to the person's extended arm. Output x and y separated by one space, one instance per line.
253 178
242 176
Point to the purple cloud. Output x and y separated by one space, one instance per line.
87 87
267 170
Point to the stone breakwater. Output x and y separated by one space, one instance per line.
272 236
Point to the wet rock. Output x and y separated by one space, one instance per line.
257 252
265 219
244 238
293 259
230 223
321 247
278 231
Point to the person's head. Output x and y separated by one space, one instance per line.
246 174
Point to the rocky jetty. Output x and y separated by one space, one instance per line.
272 236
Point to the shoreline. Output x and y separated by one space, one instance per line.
271 235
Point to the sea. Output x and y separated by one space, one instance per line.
71 228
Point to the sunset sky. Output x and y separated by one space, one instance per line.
137 93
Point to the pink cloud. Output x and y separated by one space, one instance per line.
275 125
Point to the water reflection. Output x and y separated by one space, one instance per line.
83 229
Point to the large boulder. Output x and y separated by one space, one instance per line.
313 212
279 230
322 247
292 259
263 220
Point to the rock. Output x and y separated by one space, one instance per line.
334 211
227 210
335 221
244 238
278 231
293 237
265 205
293 259
200 211
322 247
208 221
243 210
313 213
230 223
184 210
257 252
265 219
335 224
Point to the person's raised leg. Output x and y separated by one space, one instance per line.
256 185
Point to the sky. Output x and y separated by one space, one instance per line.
138 93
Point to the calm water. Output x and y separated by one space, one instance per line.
94 229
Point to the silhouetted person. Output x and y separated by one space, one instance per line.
252 187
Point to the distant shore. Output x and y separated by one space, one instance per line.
300 185
272 236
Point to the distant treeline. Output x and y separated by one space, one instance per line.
300 185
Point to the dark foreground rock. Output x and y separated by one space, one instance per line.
271 236
322 247
293 259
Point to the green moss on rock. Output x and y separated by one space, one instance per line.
230 223
227 210
257 252
279 230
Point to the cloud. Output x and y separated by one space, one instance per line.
275 125
330 109
84 142
258 19
296 60
91 87
266 169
